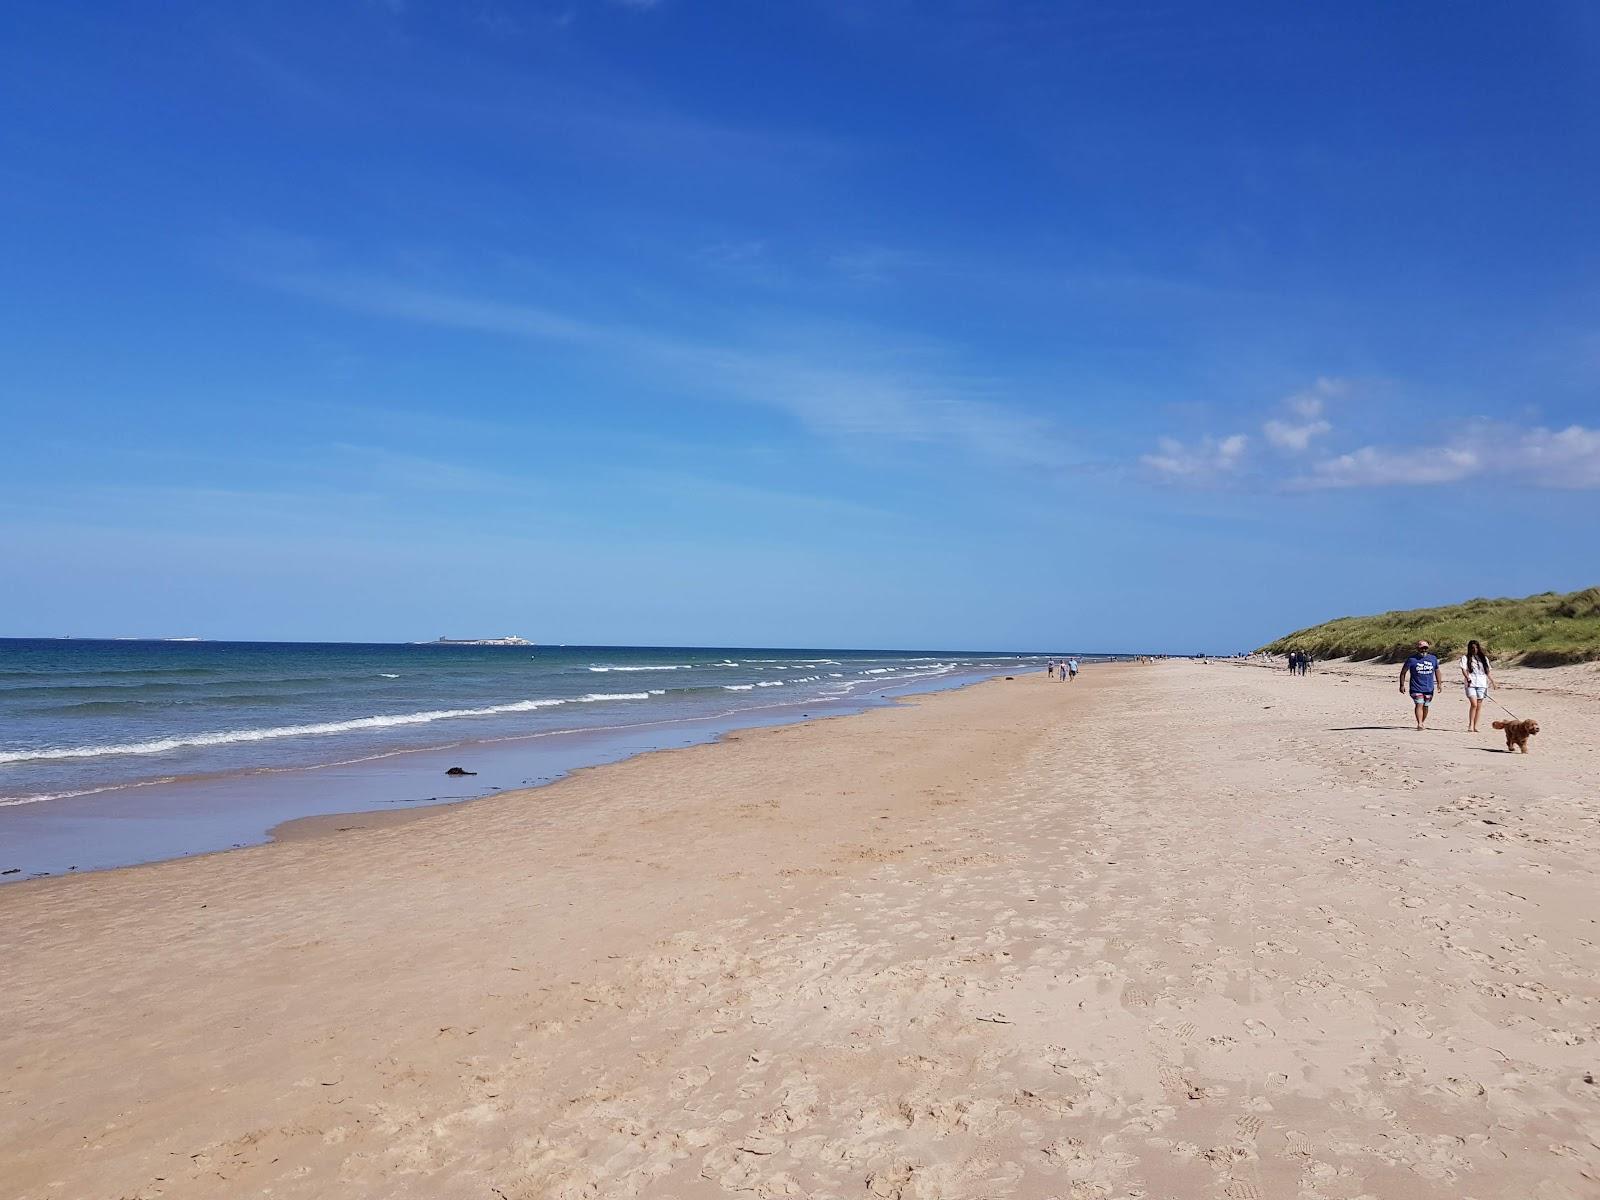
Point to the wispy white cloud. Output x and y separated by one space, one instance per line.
1567 457
1214 459
898 405
1203 461
1379 466
1296 437
1524 456
387 298
1305 416
1536 457
881 396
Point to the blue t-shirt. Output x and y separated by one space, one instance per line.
1424 670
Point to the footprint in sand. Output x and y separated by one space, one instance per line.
1228 1156
1462 1087
690 1080
1172 1079
1054 1105
892 1183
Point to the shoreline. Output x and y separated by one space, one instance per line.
322 825
208 814
1167 930
319 827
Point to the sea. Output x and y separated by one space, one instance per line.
120 752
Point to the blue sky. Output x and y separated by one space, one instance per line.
819 322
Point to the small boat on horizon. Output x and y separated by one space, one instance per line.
508 640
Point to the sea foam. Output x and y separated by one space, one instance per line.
317 729
674 667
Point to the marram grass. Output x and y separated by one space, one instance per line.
1546 630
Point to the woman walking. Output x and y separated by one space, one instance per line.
1475 675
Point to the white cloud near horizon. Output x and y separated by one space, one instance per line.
1547 458
1522 456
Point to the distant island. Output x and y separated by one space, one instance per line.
1547 630
499 641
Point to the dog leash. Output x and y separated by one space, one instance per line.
1505 710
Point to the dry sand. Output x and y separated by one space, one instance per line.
1171 931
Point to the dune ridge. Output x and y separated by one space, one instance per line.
1550 629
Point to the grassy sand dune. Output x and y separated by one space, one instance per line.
1546 630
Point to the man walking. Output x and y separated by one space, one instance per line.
1423 670
1072 669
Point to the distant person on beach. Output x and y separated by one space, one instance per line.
1305 664
1422 669
1072 668
1478 680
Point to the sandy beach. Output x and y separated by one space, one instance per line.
1172 931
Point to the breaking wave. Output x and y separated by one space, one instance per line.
316 729
674 667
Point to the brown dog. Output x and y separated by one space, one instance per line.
1518 733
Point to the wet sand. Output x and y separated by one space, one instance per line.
1170 931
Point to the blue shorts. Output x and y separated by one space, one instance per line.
1422 698
1477 693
